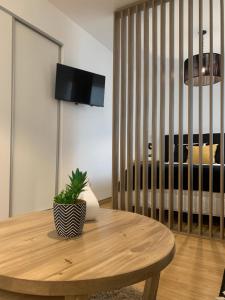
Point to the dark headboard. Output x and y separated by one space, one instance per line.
216 140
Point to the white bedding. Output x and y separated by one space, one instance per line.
205 201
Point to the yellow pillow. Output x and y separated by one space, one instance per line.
205 154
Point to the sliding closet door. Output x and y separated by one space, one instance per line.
34 132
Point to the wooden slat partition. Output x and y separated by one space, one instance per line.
171 114
200 114
138 111
154 111
162 111
190 113
130 115
181 107
115 116
123 106
146 110
133 121
222 124
211 121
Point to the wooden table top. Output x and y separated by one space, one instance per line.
119 247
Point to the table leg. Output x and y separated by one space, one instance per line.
151 287
81 297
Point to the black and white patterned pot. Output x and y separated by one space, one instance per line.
69 218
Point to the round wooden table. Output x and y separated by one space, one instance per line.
117 250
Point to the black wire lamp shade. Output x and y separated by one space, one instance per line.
205 78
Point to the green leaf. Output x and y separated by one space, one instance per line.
72 191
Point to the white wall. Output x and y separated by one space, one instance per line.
216 48
216 87
86 131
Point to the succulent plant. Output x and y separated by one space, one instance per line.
70 195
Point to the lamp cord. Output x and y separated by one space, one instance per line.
203 33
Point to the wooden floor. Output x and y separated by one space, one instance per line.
196 271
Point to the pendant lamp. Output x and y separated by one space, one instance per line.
205 78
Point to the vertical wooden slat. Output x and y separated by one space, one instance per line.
162 111
123 110
154 111
146 110
181 105
130 103
59 135
138 110
171 113
222 124
12 129
115 117
211 122
190 113
200 115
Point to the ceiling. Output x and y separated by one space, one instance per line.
95 16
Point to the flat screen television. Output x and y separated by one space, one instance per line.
79 86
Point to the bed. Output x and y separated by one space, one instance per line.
205 179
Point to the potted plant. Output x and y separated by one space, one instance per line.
69 211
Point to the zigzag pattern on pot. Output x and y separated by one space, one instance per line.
69 219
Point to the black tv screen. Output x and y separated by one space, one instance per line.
79 86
